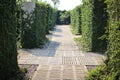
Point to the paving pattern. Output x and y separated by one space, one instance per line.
62 59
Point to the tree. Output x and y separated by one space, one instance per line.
8 51
55 2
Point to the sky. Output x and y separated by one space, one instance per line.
67 4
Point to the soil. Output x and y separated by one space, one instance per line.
29 69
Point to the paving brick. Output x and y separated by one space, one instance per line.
61 59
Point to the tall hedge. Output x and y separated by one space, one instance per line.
111 71
94 21
34 27
8 51
76 20
51 18
113 50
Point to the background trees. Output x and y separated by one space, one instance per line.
63 17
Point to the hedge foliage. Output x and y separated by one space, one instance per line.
51 18
8 49
63 17
37 24
113 51
76 20
111 71
94 21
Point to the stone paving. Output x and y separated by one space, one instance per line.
62 59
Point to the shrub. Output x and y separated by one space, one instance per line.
94 21
113 31
95 74
8 49
63 17
51 18
34 27
111 71
76 20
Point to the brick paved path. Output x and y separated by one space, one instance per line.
62 60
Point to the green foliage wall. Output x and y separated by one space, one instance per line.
111 71
86 19
19 16
99 24
8 51
40 21
113 50
28 30
76 20
94 21
51 18
37 24
34 27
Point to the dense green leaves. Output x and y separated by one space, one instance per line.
76 20
37 24
111 71
8 51
51 18
113 51
94 21
63 17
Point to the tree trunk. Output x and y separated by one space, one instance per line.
8 51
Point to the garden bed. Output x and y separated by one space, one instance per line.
28 69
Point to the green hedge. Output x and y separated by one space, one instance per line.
36 25
113 50
40 21
94 21
51 18
76 20
19 16
111 71
8 49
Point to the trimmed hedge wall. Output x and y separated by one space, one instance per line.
76 20
40 21
51 18
94 21
111 71
37 24
8 49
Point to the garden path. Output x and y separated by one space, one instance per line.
62 59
